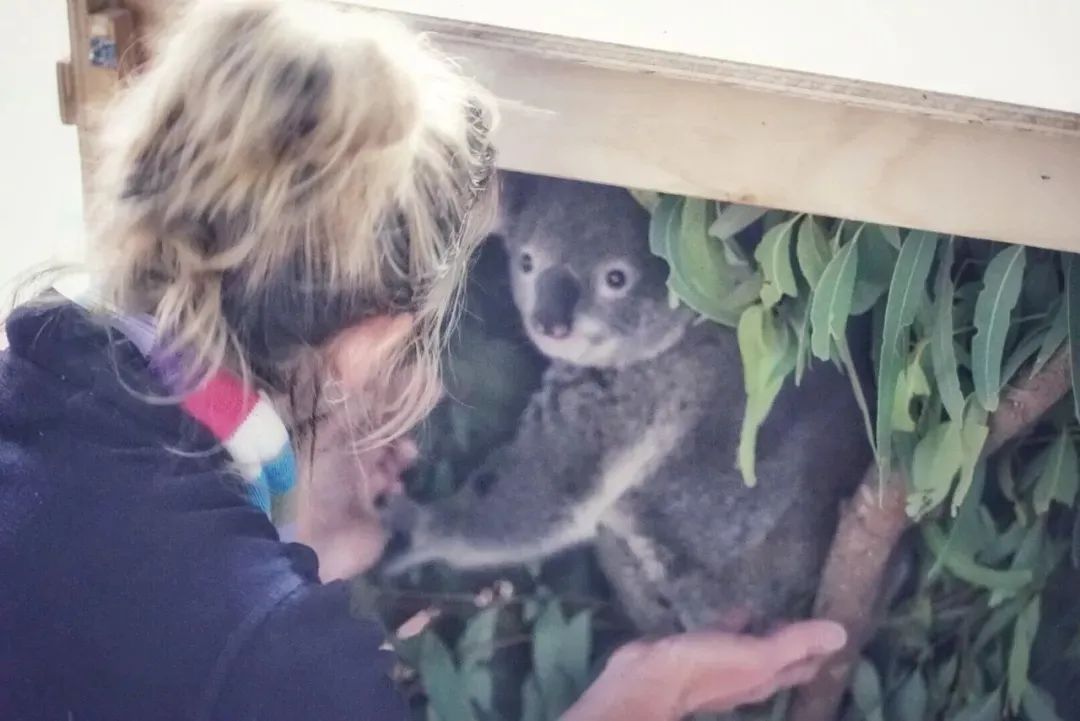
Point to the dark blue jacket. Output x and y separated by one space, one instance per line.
136 581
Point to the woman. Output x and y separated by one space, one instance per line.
288 201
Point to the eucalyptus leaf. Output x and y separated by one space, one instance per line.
577 648
987 708
910 701
942 344
866 691
905 292
1000 619
1025 560
911 385
1002 282
733 218
477 641
812 251
648 199
1028 346
1027 624
973 437
1074 546
877 258
967 569
480 687
1038 705
1060 478
662 224
831 305
547 645
773 255
1055 337
768 357
532 702
1041 286
939 456
700 274
1072 306
442 684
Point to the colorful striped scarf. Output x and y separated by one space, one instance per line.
238 415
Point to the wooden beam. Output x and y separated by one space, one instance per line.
705 127
702 127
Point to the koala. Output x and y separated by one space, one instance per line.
630 442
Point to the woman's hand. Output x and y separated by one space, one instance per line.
705 671
338 513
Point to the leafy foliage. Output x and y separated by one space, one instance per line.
932 331
953 322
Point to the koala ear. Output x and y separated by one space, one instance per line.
515 189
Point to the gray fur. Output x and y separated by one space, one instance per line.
630 443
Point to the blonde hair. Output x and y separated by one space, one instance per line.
287 149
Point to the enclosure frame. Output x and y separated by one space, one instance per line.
710 128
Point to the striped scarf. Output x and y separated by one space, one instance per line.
239 416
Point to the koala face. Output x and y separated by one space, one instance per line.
589 290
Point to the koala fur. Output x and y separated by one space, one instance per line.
630 442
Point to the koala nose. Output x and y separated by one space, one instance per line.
557 295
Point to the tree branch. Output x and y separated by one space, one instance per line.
869 530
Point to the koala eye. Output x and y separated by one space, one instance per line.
526 263
615 279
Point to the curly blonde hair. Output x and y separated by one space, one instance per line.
283 169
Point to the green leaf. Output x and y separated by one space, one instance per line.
1000 619
987 708
942 347
866 691
905 291
967 569
441 680
911 699
938 458
547 643
910 385
801 314
701 274
1054 338
1060 478
1042 288
812 251
1002 282
661 225
733 219
773 255
768 357
973 437
831 305
1027 624
877 258
477 641
577 648
1038 705
647 199
967 532
480 686
1074 545
1072 305
1026 559
1025 349
532 702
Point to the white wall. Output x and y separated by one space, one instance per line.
1014 51
40 185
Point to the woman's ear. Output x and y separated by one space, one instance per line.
360 353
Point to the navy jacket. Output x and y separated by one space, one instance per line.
136 581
